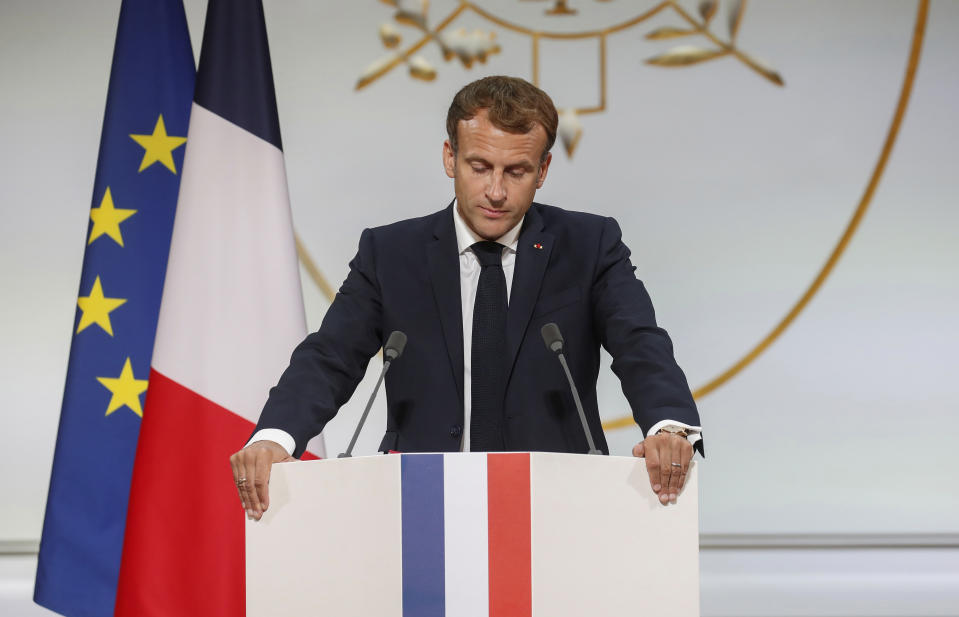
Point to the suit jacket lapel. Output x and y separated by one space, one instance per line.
532 256
443 257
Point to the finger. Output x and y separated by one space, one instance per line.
668 460
249 472
665 468
639 450
237 469
652 468
261 481
244 485
675 466
685 454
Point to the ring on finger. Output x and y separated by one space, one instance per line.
676 464
240 481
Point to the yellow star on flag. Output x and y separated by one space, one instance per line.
96 308
126 390
106 219
158 147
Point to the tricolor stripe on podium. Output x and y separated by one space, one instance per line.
472 535
232 310
479 509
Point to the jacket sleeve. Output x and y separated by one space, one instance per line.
327 366
642 352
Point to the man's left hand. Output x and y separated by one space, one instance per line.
667 461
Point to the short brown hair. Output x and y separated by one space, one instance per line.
513 105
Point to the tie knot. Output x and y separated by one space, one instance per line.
489 253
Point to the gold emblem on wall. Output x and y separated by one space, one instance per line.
475 46
684 57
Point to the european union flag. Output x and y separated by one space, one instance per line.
127 243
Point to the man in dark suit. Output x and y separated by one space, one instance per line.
471 286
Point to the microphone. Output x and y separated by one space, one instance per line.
554 342
394 345
392 350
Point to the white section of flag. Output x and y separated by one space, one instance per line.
466 527
232 304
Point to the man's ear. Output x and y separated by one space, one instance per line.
543 168
449 159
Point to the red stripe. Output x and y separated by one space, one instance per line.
183 553
510 562
184 548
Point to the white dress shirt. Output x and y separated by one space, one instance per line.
469 281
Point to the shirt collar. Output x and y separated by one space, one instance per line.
466 237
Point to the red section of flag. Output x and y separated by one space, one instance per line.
510 561
184 548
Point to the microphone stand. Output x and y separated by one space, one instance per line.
391 351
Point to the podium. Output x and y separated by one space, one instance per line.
472 534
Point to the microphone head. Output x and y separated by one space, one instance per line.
552 337
394 345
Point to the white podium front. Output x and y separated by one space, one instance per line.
472 534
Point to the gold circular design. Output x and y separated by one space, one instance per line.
824 272
918 33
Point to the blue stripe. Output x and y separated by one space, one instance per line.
424 571
235 78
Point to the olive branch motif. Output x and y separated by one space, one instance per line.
686 55
470 47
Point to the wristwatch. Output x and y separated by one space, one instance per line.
674 430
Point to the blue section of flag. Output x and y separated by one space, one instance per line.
424 556
235 76
152 75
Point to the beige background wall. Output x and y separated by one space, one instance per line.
731 193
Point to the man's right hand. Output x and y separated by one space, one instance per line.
251 473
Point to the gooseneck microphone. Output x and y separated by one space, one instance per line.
391 351
554 342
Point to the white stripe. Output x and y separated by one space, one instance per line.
232 307
466 534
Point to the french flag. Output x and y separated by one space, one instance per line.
515 534
232 310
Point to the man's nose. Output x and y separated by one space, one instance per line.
496 190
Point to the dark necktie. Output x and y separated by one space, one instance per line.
488 357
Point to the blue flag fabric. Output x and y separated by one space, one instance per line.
127 244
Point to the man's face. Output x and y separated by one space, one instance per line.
495 174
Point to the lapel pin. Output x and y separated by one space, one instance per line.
538 246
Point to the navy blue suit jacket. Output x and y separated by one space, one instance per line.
571 268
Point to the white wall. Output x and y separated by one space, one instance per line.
731 192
